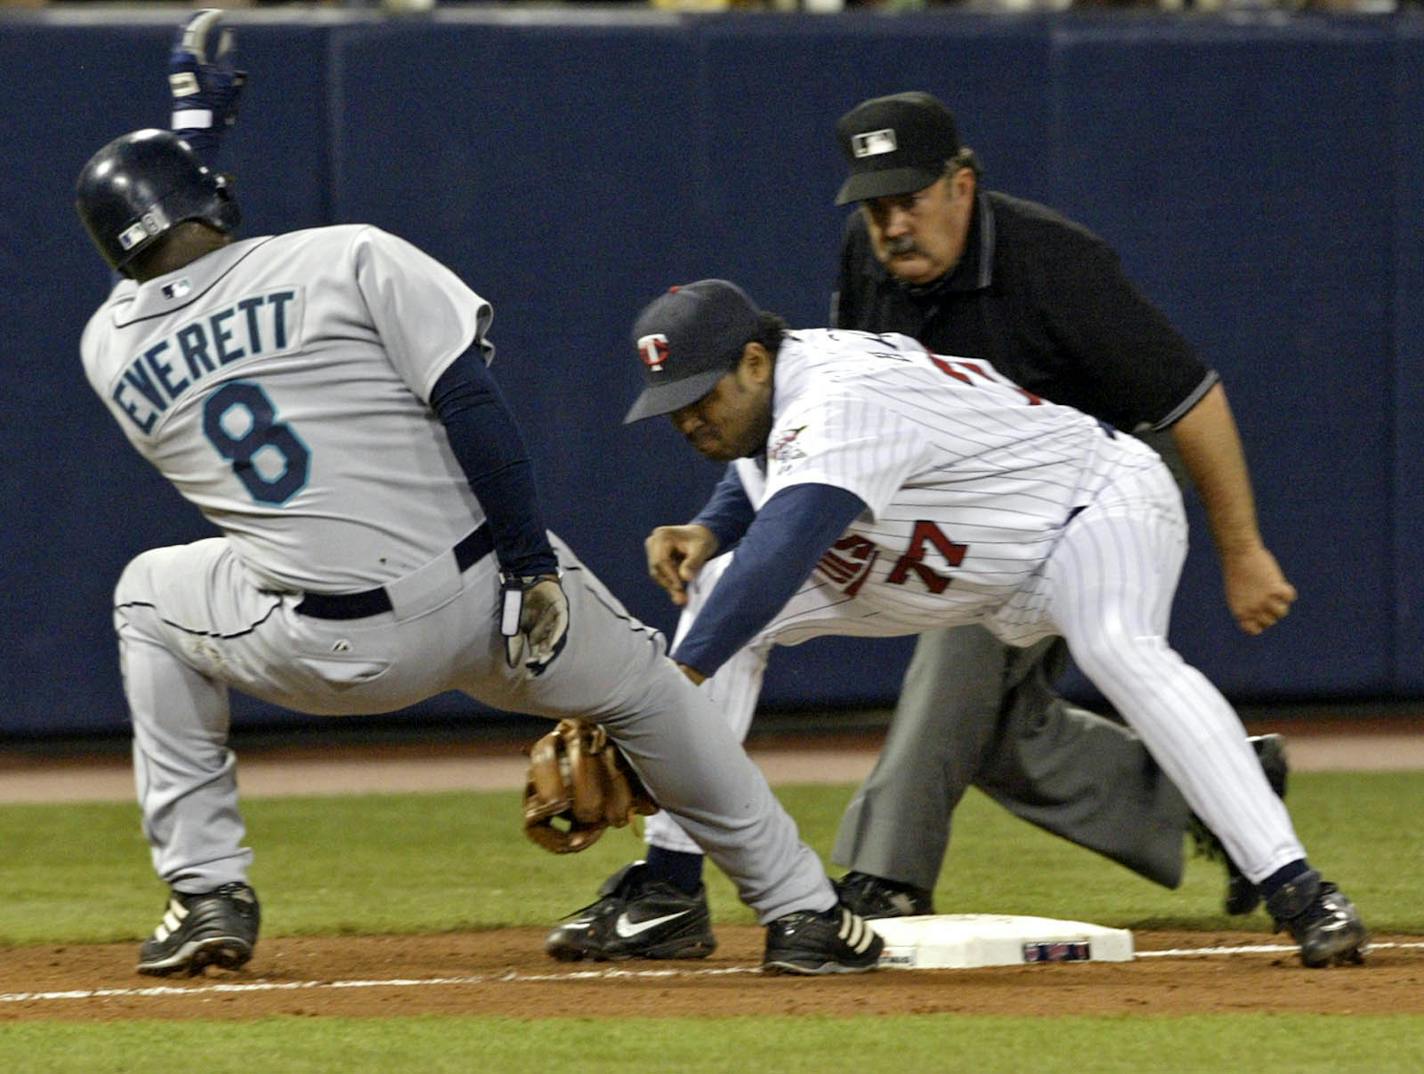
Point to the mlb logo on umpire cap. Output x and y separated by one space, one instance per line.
688 339
873 143
896 145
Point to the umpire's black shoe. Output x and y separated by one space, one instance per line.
1323 921
215 928
814 942
1242 896
636 918
874 896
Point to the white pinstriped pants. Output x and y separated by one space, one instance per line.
1110 584
1107 588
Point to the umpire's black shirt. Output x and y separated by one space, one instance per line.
1047 303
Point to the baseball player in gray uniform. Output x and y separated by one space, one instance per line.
877 488
322 397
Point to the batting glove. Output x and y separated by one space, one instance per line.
204 80
534 620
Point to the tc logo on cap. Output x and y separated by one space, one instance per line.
873 143
653 350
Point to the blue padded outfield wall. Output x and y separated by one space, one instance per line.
1262 178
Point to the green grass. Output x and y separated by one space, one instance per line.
80 873
1300 1044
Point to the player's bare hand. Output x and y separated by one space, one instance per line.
535 623
676 554
1257 591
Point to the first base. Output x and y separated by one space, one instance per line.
962 941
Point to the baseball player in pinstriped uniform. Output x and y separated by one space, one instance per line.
974 272
877 489
322 398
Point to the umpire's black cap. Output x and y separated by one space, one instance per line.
896 145
688 339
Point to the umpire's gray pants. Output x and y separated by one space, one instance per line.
976 712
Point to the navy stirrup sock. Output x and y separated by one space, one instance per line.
678 868
1283 876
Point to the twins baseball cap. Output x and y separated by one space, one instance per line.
688 339
895 145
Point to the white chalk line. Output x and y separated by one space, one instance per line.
226 988
1254 949
392 982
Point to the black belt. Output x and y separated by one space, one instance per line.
467 553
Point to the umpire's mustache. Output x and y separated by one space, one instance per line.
897 247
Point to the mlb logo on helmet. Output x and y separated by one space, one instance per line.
873 143
152 222
653 350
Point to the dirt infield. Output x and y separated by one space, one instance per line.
502 973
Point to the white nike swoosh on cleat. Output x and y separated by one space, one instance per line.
628 929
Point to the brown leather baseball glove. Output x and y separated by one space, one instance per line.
578 785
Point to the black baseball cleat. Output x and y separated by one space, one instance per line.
215 928
814 942
636 918
1321 919
874 896
1242 896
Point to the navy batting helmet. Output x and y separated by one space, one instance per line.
140 185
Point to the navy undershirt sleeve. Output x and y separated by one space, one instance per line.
205 144
487 443
728 512
776 554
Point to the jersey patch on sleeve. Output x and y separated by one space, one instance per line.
784 452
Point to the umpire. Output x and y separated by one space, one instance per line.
978 273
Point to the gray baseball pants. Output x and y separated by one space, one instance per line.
192 623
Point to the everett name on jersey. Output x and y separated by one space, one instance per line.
279 382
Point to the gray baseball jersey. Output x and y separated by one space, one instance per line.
281 384
345 330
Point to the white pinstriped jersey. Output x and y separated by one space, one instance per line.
968 480
271 381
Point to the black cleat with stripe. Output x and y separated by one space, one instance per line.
214 928
813 943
